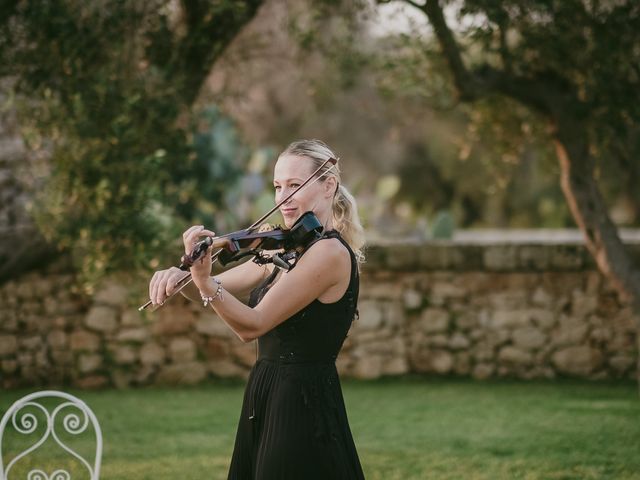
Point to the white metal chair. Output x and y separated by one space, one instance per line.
74 422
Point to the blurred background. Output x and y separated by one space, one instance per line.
493 149
150 117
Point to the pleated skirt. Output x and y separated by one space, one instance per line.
293 425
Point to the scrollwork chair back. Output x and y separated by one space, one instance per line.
26 423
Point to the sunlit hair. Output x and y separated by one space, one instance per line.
345 211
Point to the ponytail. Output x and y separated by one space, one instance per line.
347 221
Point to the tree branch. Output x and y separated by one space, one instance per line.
545 92
210 29
465 83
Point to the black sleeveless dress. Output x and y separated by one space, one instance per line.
293 424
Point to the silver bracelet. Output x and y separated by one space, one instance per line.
207 299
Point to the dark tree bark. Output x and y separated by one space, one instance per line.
557 102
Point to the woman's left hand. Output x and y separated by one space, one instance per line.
201 269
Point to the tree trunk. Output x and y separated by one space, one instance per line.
590 213
557 101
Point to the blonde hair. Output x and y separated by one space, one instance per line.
345 211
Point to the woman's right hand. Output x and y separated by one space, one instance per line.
163 284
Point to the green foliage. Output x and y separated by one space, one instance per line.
106 90
443 226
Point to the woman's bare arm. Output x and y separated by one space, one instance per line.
323 270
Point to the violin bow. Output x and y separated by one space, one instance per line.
186 279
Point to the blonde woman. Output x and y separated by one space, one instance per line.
293 422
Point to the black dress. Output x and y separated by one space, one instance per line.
293 424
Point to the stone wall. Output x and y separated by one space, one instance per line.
497 310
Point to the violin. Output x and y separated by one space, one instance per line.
303 232
254 241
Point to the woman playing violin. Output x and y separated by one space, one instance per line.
293 423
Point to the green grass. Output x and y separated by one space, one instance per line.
412 428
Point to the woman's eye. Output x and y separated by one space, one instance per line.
295 185
276 188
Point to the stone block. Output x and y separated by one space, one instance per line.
245 353
124 355
182 349
371 315
31 342
582 305
49 307
394 315
500 257
368 367
122 379
482 371
528 338
62 357
134 335
57 339
187 373
458 341
483 351
216 348
542 298
437 340
412 299
89 362
462 363
502 319
431 361
226 369
508 300
112 293
467 320
151 354
9 366
447 290
441 361
593 283
132 318
145 374
621 363
173 319
533 257
570 331
41 359
567 257
8 345
397 365
102 319
577 360
600 334
514 356
214 326
543 318
82 340
434 320
25 359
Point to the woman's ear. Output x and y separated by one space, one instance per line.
330 185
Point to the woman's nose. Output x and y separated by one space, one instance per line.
283 193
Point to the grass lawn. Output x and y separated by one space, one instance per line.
411 428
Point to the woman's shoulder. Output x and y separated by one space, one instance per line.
329 254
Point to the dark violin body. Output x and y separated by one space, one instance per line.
242 243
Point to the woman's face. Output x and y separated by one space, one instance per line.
289 173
